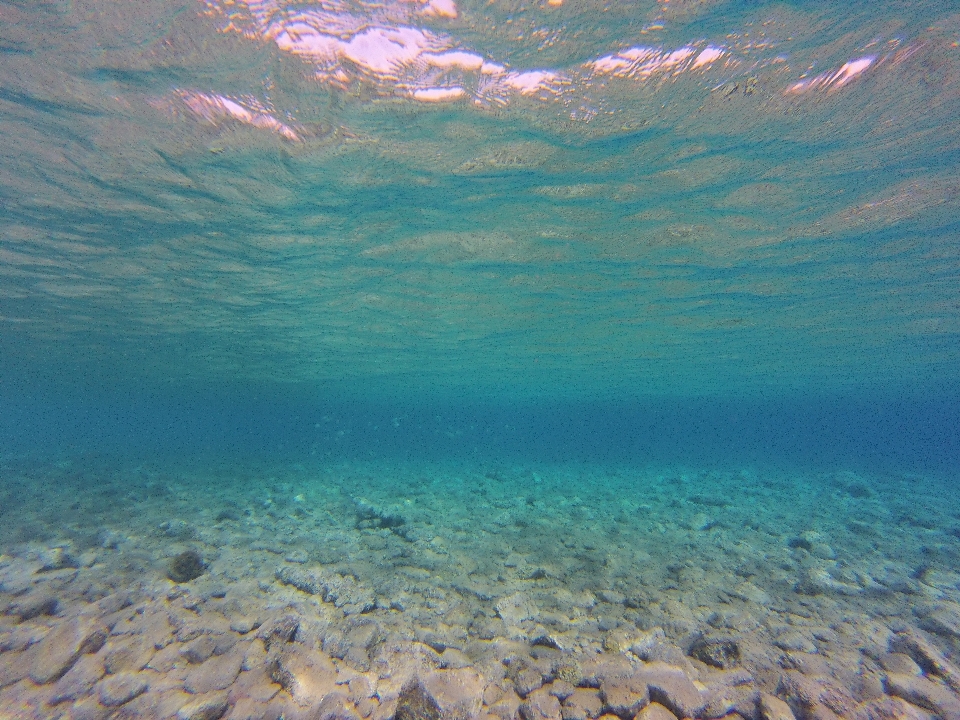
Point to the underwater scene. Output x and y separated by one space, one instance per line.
479 360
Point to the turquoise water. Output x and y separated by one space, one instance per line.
595 309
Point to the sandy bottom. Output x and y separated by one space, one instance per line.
421 592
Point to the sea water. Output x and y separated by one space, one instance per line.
479 359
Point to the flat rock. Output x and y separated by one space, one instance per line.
131 653
121 688
926 655
61 647
773 708
454 659
583 703
304 673
670 687
900 663
199 649
507 706
527 679
12 668
540 705
655 711
924 693
78 680
211 706
336 706
516 608
944 621
624 696
458 692
217 673
34 604
889 708
243 624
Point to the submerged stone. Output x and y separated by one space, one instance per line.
720 652
186 566
415 703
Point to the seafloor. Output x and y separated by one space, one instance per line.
364 590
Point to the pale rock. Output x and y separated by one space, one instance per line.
722 701
749 592
255 683
526 679
306 674
454 659
670 687
516 608
927 656
250 709
61 647
211 706
889 708
35 604
624 696
368 706
560 689
597 668
815 696
540 705
583 703
943 620
217 673
924 693
336 706
360 688
78 680
22 636
127 652
645 642
773 708
199 649
243 624
790 639
507 706
900 663
121 688
458 693
655 711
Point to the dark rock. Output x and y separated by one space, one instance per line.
415 703
719 652
186 566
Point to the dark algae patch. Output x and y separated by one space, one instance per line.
186 566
